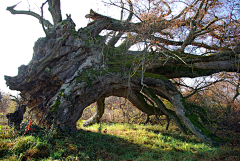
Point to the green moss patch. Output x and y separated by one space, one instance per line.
57 102
195 120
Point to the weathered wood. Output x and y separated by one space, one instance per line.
97 116
72 69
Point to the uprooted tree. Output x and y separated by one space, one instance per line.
71 69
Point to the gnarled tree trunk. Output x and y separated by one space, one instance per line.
72 69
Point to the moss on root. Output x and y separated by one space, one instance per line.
90 75
57 102
150 75
194 119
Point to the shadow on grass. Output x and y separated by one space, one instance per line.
87 145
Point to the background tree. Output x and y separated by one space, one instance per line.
71 69
219 97
6 106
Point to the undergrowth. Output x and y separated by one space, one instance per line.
110 142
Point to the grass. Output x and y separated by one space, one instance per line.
111 142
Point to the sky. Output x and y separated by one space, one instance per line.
19 32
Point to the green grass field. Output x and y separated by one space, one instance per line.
111 142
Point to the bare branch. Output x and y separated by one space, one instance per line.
47 35
195 90
169 9
130 10
198 11
187 8
13 11
179 43
207 25
115 38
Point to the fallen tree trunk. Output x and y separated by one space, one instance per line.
72 69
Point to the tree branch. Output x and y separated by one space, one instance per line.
179 43
130 10
207 25
47 35
41 20
195 66
54 8
200 88
115 39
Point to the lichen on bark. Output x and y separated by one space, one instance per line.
72 69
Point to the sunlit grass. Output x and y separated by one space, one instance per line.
110 141
158 139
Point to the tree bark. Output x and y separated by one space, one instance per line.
54 8
72 69
99 112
